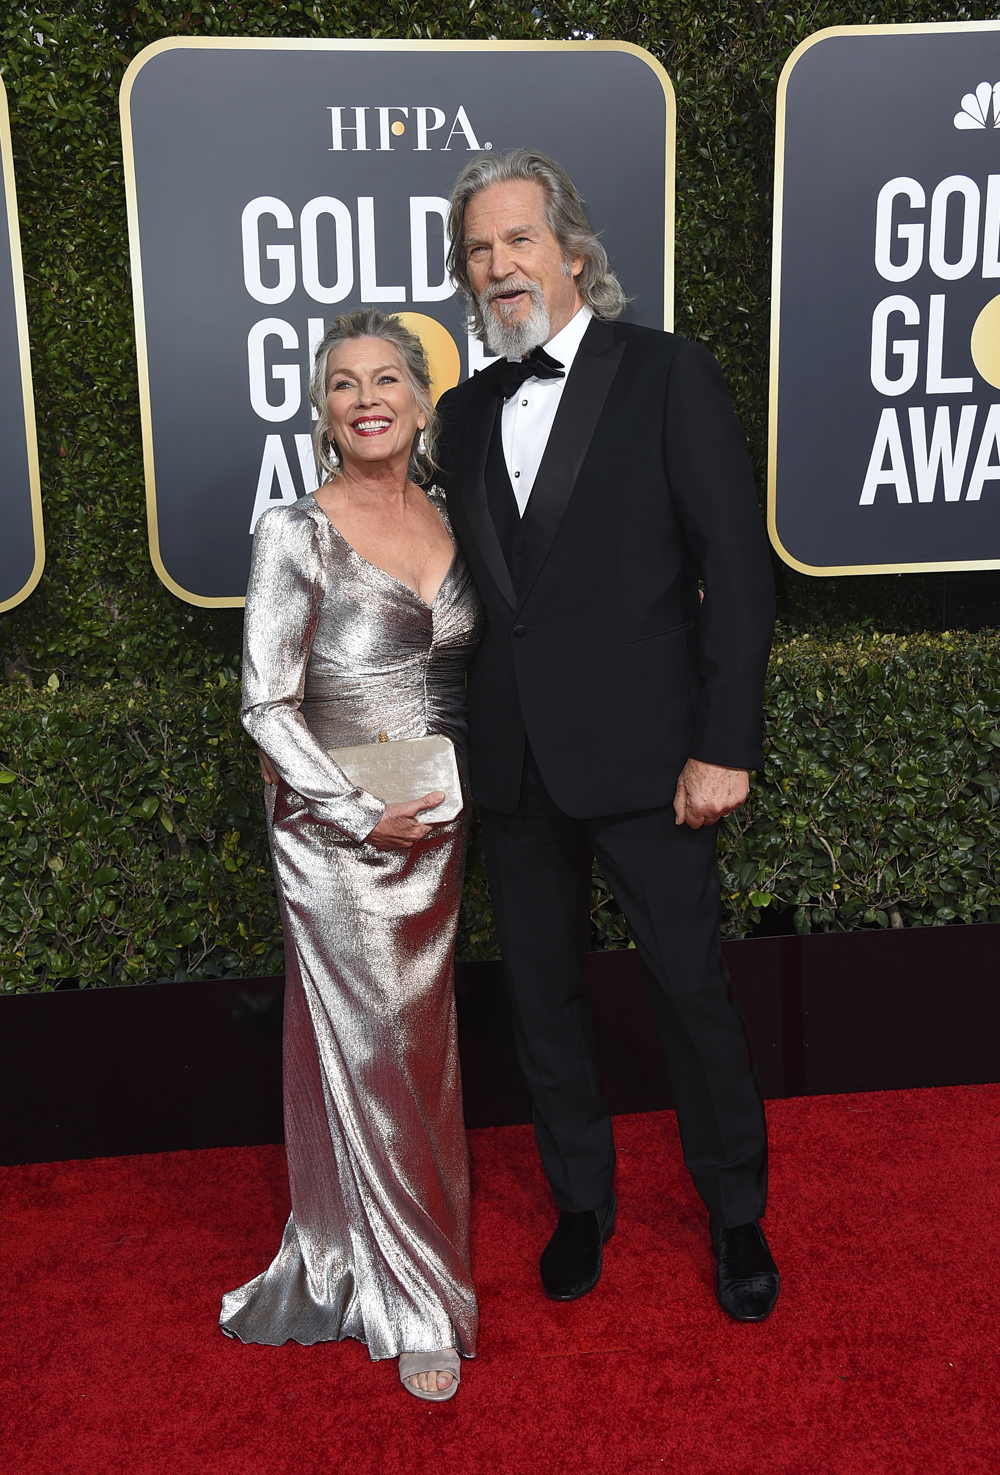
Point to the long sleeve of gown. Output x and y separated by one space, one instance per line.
283 600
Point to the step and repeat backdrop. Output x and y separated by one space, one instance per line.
273 185
885 350
22 548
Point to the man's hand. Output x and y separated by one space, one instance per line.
399 828
268 772
706 792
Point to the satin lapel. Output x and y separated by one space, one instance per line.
583 399
478 434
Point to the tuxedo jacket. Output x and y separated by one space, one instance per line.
596 650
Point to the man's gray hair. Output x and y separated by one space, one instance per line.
597 283
368 322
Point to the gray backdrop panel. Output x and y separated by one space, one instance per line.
17 546
215 128
861 110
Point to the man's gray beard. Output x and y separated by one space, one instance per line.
512 339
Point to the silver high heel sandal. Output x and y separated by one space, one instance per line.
413 1363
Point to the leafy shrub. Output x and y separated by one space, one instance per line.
141 711
878 803
132 842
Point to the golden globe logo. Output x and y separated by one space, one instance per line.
911 231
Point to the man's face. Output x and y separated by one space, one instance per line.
509 247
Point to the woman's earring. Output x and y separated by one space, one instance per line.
422 445
332 453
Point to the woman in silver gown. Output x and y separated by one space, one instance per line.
360 618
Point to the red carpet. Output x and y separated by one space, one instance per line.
881 1357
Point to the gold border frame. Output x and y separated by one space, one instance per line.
331 44
24 355
831 571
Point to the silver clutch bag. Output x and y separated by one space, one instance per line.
401 769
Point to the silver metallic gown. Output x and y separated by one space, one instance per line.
337 651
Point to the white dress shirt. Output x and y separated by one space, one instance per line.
528 415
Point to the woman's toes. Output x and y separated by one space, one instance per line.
437 1381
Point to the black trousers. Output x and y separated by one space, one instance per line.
665 880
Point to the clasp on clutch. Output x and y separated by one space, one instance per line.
383 737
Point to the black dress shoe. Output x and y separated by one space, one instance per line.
746 1277
571 1261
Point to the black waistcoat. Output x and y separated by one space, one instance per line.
502 502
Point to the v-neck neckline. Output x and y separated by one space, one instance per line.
400 583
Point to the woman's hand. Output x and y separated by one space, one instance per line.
399 828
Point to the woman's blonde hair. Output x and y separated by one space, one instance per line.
368 322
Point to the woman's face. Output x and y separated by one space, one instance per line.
374 414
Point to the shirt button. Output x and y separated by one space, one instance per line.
517 473
524 402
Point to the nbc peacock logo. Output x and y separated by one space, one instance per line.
976 107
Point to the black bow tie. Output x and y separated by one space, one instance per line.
538 365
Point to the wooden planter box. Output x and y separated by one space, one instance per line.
102 1072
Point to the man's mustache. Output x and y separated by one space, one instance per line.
510 284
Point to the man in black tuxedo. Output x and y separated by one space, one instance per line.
593 485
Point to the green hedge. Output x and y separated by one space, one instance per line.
134 706
132 844
99 613
133 847
877 806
